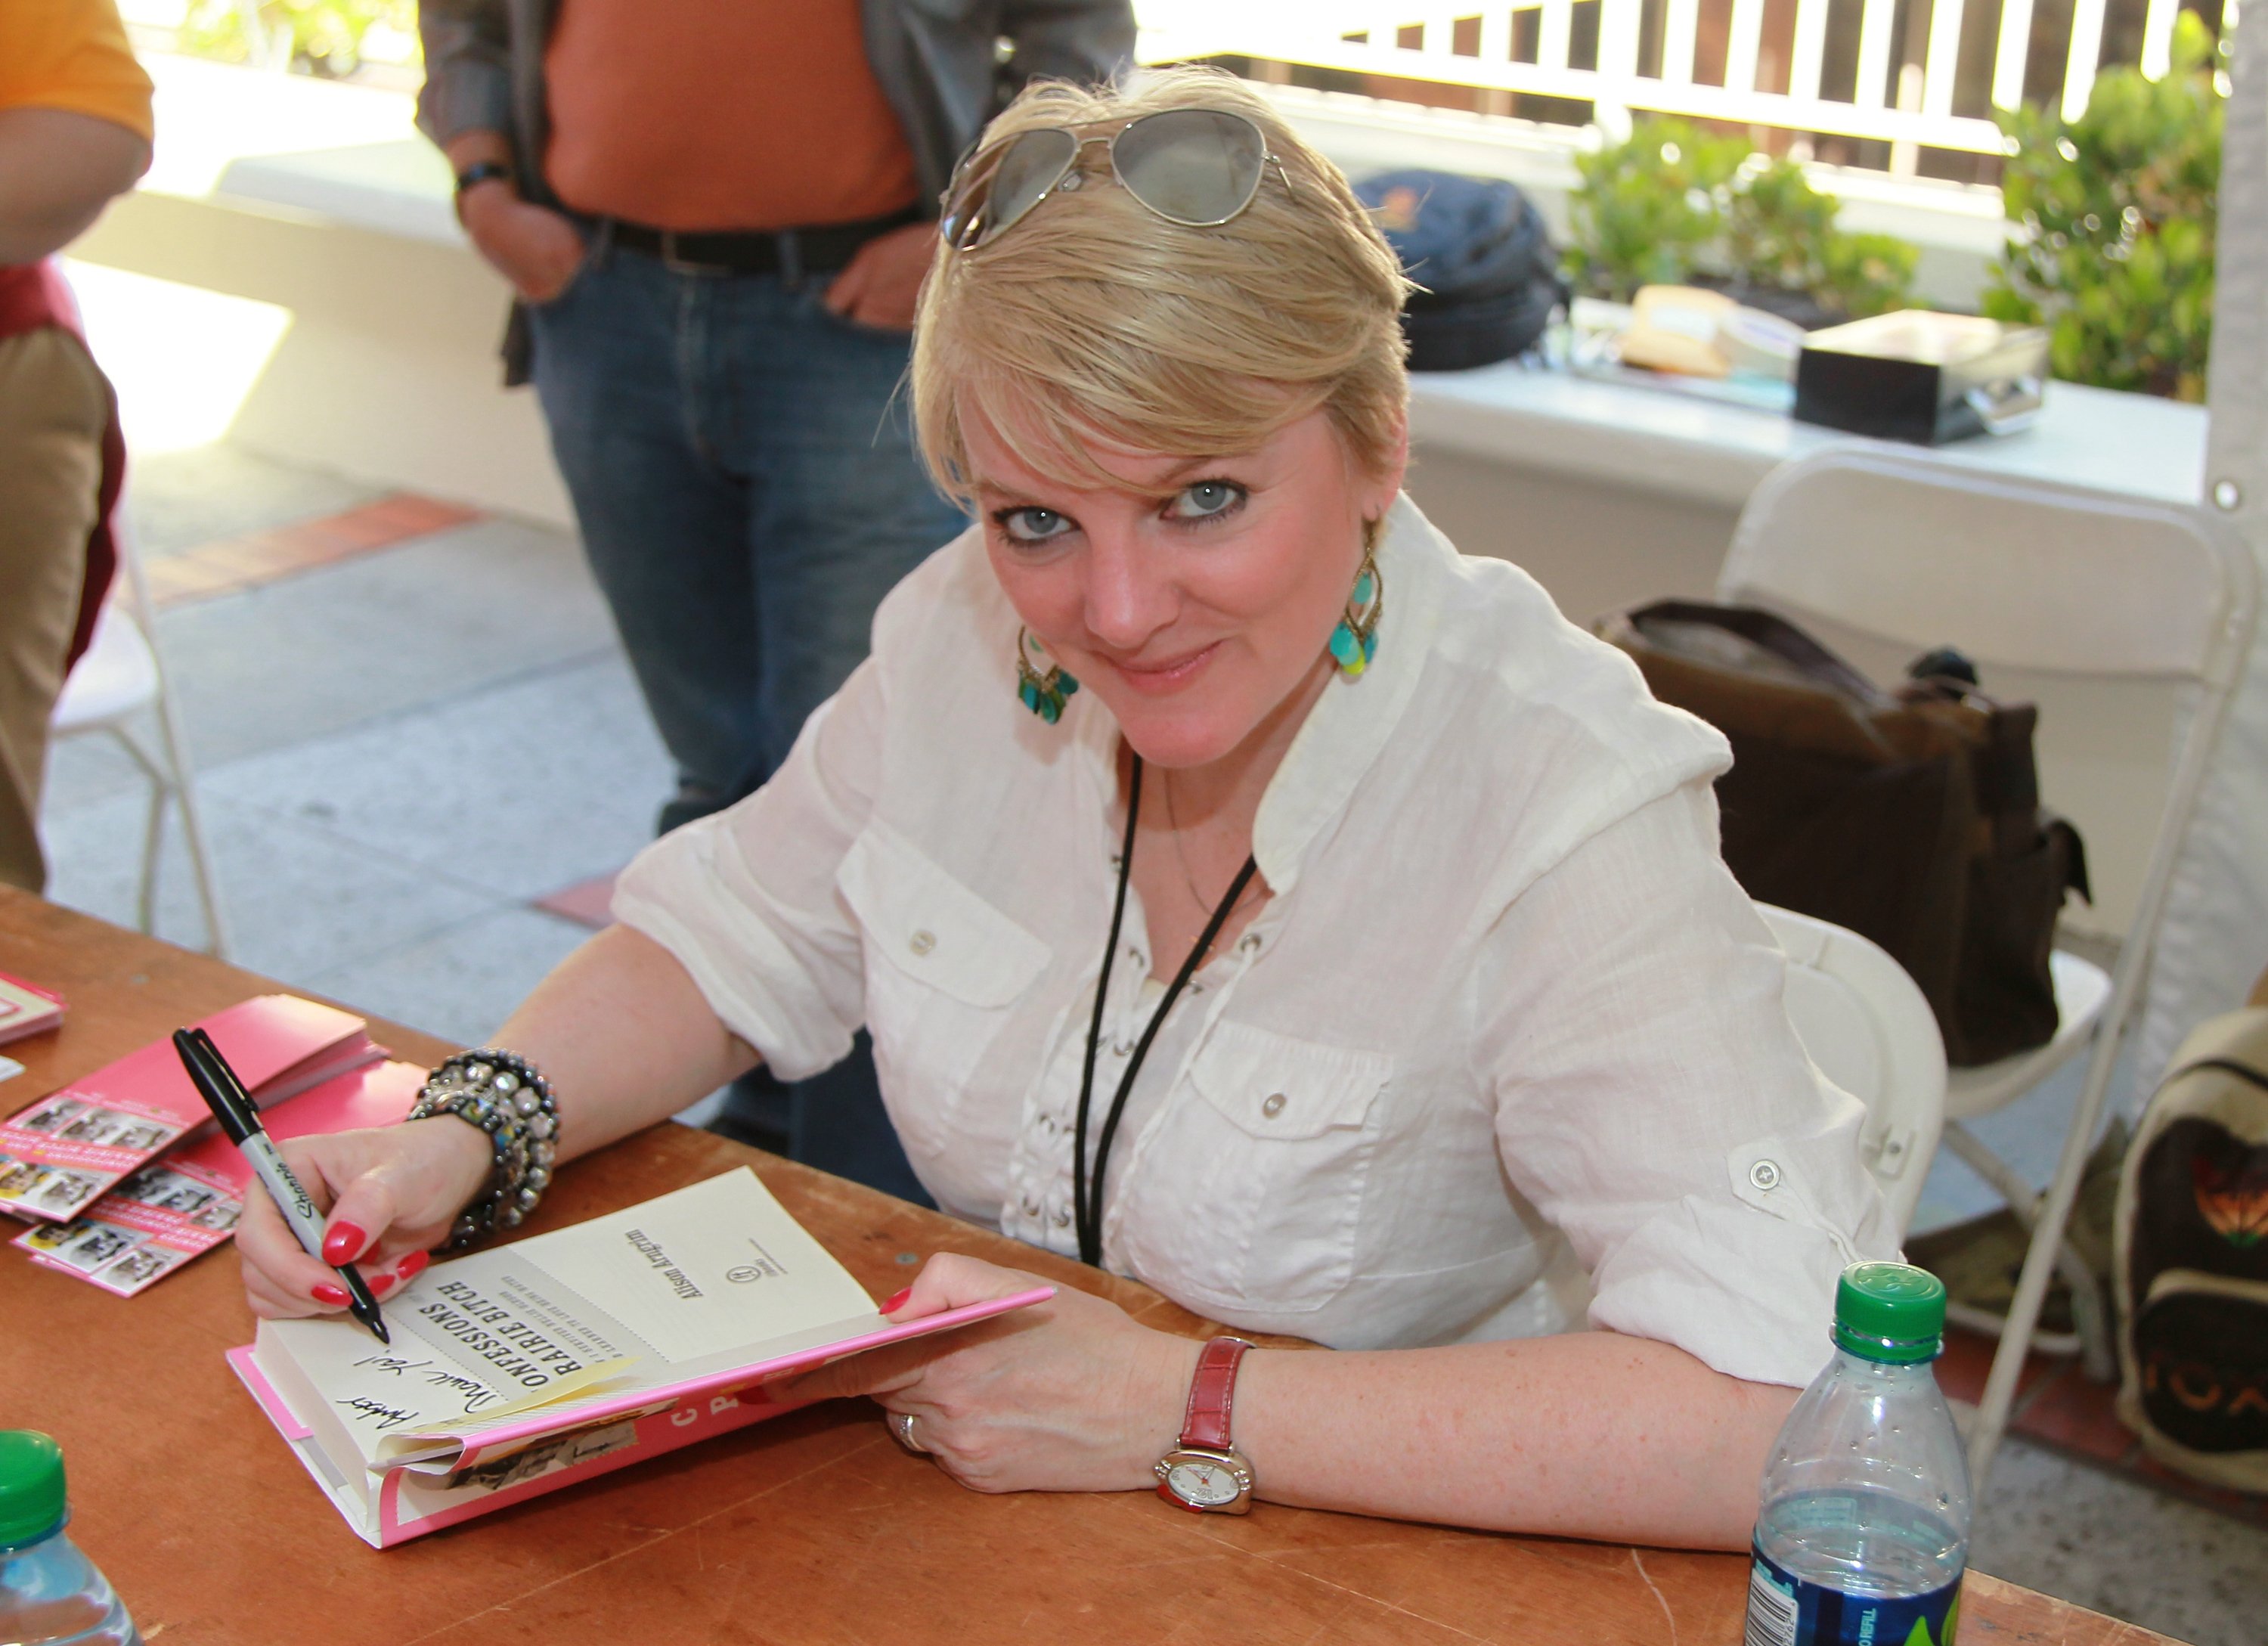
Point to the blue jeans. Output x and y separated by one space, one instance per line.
743 471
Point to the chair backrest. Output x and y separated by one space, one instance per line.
1865 1023
1921 551
1926 551
115 677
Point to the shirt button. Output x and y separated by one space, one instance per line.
1764 1174
1031 1206
1063 1217
922 943
1273 1104
1249 944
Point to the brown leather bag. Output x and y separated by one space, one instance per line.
1912 818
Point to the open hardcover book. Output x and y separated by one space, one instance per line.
518 1370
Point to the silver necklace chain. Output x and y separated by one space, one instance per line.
1181 857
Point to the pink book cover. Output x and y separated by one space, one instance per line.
541 1455
518 1369
25 1008
61 1154
186 1202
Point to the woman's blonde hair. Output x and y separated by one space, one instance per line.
1093 318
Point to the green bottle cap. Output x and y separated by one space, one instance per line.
31 1487
1890 1311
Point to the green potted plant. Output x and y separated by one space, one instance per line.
2114 252
320 37
1649 208
1787 255
1673 204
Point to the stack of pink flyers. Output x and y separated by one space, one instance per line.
25 1008
187 1203
61 1154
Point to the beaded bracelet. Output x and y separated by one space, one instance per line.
505 1096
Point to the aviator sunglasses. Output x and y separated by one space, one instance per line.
1198 167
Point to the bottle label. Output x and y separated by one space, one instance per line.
1786 1610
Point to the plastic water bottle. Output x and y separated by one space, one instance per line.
1863 1533
50 1594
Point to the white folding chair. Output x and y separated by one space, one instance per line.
1918 551
1865 1023
118 678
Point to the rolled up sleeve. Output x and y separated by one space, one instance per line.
467 69
1653 1103
746 899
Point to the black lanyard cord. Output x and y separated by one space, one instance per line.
1090 1252
1087 1207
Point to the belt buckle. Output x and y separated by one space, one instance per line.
675 264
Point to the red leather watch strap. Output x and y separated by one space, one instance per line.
1213 1394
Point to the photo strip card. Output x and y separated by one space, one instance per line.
182 1206
58 1156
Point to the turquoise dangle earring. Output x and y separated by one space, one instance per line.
1043 694
1354 642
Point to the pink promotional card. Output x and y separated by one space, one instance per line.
185 1204
25 1008
58 1155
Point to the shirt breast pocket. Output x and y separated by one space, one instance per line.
943 969
1254 1199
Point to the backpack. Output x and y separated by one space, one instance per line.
1912 818
1479 249
2190 1258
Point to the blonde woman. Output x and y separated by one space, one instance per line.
1244 891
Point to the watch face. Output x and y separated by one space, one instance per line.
1202 1481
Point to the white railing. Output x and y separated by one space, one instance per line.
1472 44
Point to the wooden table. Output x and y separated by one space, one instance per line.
811 1527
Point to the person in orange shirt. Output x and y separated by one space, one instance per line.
716 218
75 130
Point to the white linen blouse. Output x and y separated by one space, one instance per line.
1504 1049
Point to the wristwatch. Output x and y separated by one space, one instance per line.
480 172
1205 1474
484 172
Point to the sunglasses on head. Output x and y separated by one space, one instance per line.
1199 167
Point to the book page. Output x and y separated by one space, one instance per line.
708 1277
719 1266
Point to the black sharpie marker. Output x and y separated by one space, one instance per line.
232 1107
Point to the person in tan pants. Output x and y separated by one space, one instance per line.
75 131
53 405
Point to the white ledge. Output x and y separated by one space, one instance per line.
1537 417
350 156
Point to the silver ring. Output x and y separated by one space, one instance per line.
902 1428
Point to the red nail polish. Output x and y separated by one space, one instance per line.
382 1285
344 1244
897 1301
411 1266
336 1296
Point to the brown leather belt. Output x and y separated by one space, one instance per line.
790 253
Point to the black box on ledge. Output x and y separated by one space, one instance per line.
1922 377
